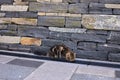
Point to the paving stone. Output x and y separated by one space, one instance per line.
67 30
114 57
87 46
117 74
30 41
108 47
26 63
47 70
13 8
48 7
96 70
90 77
98 55
78 8
114 37
9 39
33 31
6 1
24 21
105 22
12 72
51 21
5 59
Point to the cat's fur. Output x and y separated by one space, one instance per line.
61 51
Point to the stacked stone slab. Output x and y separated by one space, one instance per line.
91 28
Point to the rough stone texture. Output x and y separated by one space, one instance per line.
103 22
73 23
109 47
30 41
68 30
8 33
51 21
33 31
113 6
13 8
98 32
2 14
21 14
114 37
3 27
71 1
89 37
89 1
87 46
21 48
5 20
6 1
114 57
78 8
116 11
9 39
56 1
100 55
48 7
24 21
109 1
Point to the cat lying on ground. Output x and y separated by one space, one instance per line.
61 51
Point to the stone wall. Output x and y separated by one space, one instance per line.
91 28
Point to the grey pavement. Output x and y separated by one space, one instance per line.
19 68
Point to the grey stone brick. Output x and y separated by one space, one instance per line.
116 11
59 35
114 37
97 32
51 42
3 27
110 1
48 7
8 33
73 23
78 8
70 44
89 1
18 47
89 37
6 1
87 46
99 55
71 1
108 47
2 14
114 57
42 50
33 31
51 21
99 8
12 27
3 46
21 14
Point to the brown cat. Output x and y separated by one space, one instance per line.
61 51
